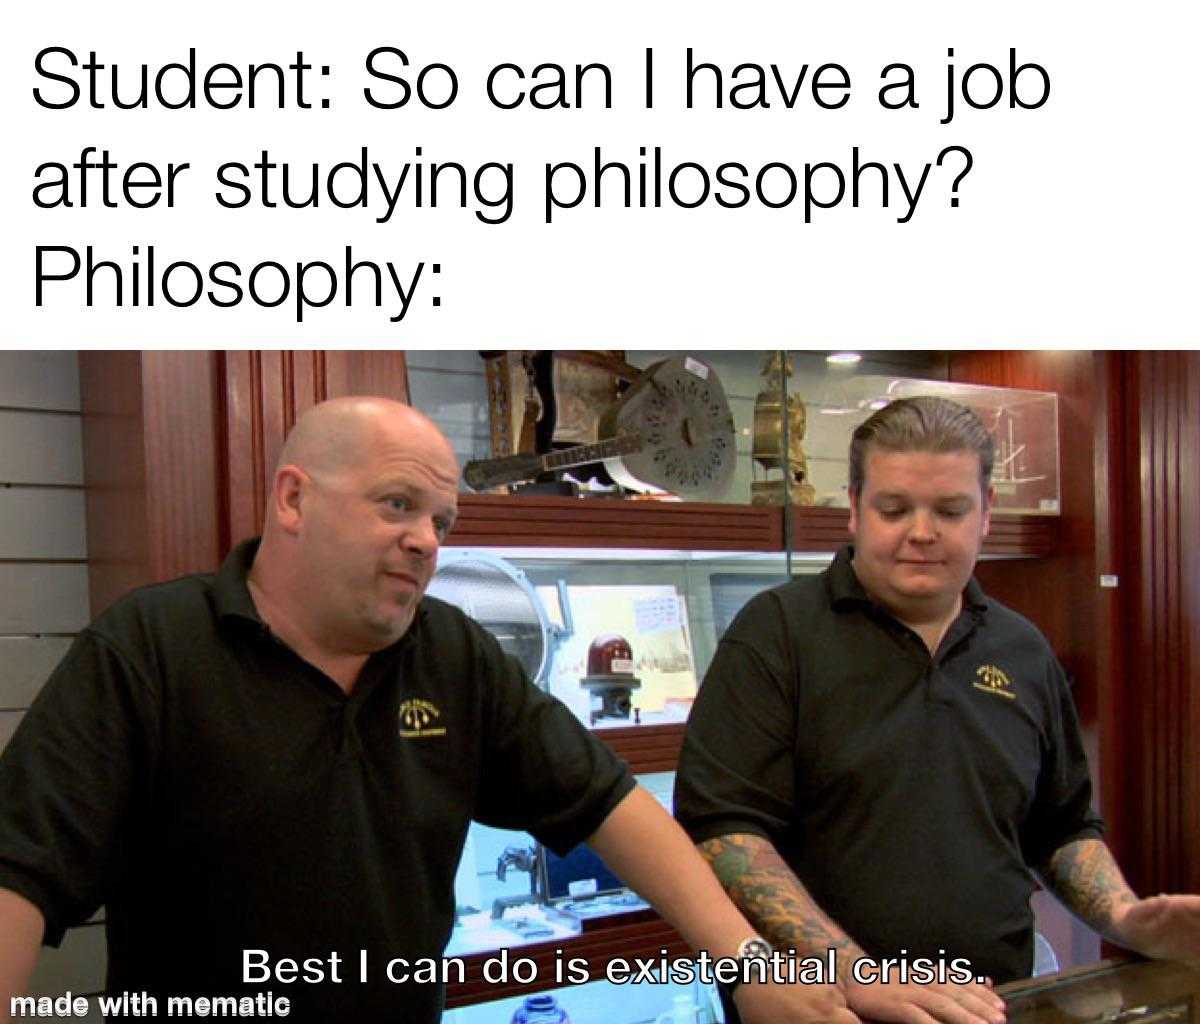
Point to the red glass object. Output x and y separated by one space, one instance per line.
610 655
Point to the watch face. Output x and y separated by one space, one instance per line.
754 948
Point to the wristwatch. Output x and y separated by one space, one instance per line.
753 948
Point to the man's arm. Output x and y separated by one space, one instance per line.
1084 876
644 846
777 904
21 930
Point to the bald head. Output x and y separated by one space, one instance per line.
339 433
365 492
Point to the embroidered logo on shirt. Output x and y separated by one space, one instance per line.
994 680
417 718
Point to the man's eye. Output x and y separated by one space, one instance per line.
398 504
442 526
892 511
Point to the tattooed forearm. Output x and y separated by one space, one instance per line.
774 900
1085 877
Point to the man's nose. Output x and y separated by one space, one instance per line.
423 536
924 527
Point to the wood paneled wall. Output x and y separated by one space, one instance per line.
1158 693
180 448
264 393
1130 458
151 444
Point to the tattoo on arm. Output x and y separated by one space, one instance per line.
775 901
1085 877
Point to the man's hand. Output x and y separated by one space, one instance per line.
1085 877
792 1004
925 1004
1160 926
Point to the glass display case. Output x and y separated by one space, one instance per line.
1023 425
741 426
1110 992
622 637
614 598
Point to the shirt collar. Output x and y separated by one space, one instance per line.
230 592
232 595
846 590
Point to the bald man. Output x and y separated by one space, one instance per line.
261 772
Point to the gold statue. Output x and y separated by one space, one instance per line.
793 485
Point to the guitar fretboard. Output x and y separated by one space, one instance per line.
622 444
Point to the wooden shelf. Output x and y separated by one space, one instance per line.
646 748
489 520
499 520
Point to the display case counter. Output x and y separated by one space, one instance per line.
643 935
1110 992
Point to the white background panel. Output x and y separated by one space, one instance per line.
40 448
1074 226
25 664
40 523
43 598
39 380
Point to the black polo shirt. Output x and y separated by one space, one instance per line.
909 793
217 793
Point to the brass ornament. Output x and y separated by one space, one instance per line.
769 432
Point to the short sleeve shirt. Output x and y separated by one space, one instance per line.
910 794
217 793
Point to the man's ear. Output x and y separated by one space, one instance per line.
989 499
287 495
853 524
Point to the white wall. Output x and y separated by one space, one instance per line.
43 578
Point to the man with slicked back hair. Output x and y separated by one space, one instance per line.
881 758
